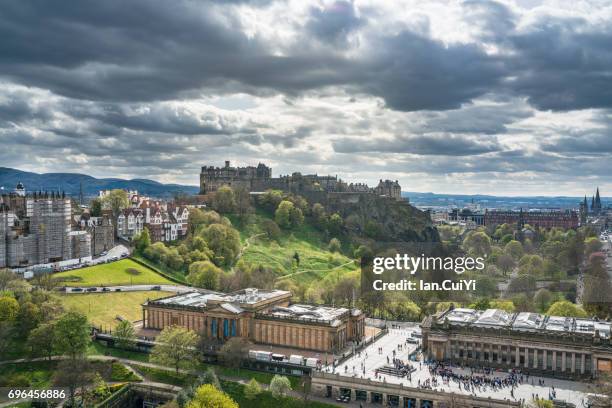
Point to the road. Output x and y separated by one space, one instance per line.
136 288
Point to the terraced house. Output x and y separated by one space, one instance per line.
262 316
539 344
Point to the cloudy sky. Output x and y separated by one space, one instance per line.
452 96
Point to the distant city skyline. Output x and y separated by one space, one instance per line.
505 98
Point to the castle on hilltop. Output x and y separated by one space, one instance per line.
259 179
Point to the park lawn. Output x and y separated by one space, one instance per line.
102 308
122 272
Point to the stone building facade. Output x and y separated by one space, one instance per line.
543 219
314 187
264 317
549 345
37 229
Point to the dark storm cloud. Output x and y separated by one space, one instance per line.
333 24
443 144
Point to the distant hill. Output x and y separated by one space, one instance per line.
489 201
70 183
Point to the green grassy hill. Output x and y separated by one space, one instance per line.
316 262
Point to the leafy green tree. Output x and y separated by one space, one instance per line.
29 317
477 243
481 304
271 229
270 200
592 244
116 201
542 299
514 249
42 340
234 351
532 265
125 335
224 241
207 396
243 201
9 309
204 274
224 201
296 217
280 386
252 389
143 240
175 347
282 216
565 309
335 224
96 207
334 245
505 305
319 216
72 334
522 283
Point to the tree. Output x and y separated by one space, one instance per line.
125 335
224 200
73 374
270 200
204 274
176 347
143 240
243 201
591 244
271 229
280 386
319 216
506 262
565 309
6 277
29 317
71 334
335 224
207 396
477 243
252 389
532 265
505 305
41 340
224 241
288 216
522 283
481 304
96 207
514 249
334 245
116 201
234 351
9 308
542 299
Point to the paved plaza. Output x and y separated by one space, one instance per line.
366 364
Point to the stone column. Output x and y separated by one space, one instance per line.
517 357
499 354
573 363
526 357
490 353
582 359
554 361
353 395
144 322
563 361
536 353
544 360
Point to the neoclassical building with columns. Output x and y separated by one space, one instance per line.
262 316
539 344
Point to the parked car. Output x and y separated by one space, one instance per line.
92 289
105 290
77 290
156 287
117 289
